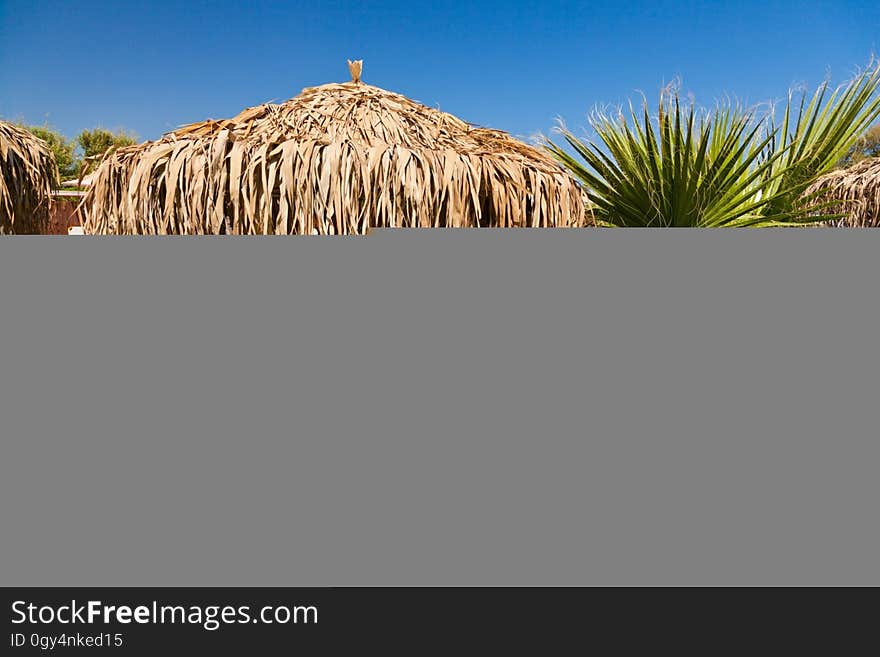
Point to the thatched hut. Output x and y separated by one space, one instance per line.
337 159
853 192
27 173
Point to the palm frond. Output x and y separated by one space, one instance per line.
728 167
821 132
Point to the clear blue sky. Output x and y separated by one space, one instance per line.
515 65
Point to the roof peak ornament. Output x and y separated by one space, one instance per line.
355 68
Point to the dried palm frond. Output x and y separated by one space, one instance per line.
853 193
27 172
337 159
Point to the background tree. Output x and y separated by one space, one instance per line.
94 143
61 147
868 145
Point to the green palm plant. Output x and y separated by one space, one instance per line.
725 168
816 136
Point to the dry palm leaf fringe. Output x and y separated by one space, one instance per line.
27 171
337 159
854 192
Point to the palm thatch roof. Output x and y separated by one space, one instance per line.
337 159
853 192
27 172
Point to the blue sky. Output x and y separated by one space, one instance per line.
514 65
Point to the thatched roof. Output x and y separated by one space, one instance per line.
854 191
27 171
339 158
